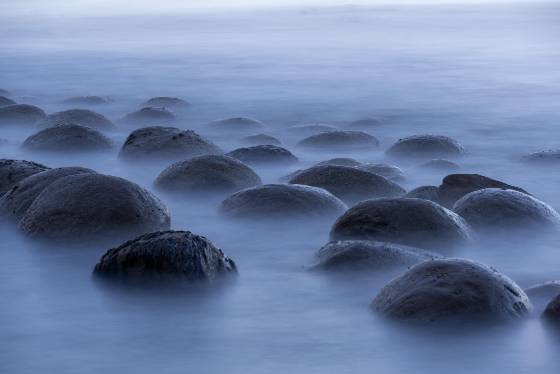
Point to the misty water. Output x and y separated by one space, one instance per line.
489 76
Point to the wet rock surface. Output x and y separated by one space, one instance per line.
263 154
83 117
13 171
67 138
390 172
20 114
340 140
426 147
261 139
425 192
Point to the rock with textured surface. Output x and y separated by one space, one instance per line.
67 138
13 171
261 139
340 140
20 114
83 117
390 172
425 147
425 192
263 154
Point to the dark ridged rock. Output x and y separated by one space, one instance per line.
5 101
166 256
166 102
340 140
83 117
426 147
279 201
88 100
93 205
425 192
390 172
452 289
67 138
148 116
20 114
207 175
261 139
347 183
13 171
166 143
415 222
263 154
236 124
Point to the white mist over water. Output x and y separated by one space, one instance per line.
487 75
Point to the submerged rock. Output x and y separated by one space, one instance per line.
280 201
20 114
340 140
365 123
13 171
166 143
311 129
167 102
426 147
87 205
552 311
83 117
263 154
415 222
451 289
5 101
67 138
148 116
425 192
551 156
166 256
88 100
390 172
19 198
261 139
236 124
207 175
496 208
440 165
340 161
541 294
347 183
368 255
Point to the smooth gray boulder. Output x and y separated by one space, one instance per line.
552 311
308 129
20 114
368 255
347 183
263 154
207 175
15 202
148 116
67 138
281 201
13 171
425 192
83 117
166 256
261 139
89 205
390 172
440 165
340 140
88 100
425 147
455 186
6 101
236 124
166 102
449 290
415 222
165 143
493 208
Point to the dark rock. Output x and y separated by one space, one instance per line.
368 255
261 139
13 171
425 147
543 157
88 100
263 154
67 138
166 102
311 129
340 140
83 117
81 206
20 114
166 143
207 175
166 256
455 186
425 192
415 222
492 208
390 172
5 101
451 289
552 311
340 161
280 201
366 123
148 116
440 165
237 124
347 183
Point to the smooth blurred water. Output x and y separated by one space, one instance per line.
488 76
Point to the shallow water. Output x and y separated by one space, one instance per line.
488 76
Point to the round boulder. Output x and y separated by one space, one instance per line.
341 161
347 183
415 222
541 294
67 138
340 140
492 208
261 139
166 102
20 114
391 172
311 129
166 256
207 174
551 156
148 116
93 205
5 101
365 123
368 255
451 289
83 117
166 143
13 171
88 100
425 147
280 201
552 311
425 192
263 154
236 124
440 165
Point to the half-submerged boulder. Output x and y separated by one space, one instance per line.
13 171
426 147
6 101
207 175
368 255
552 311
425 192
281 201
390 172
263 154
493 208
236 124
308 129
340 140
67 138
19 198
439 164
261 139
166 102
93 205
83 117
20 114
414 222
148 116
166 143
548 157
88 100
365 123
452 289
166 256
341 161
455 186
540 294
347 183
